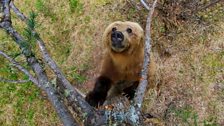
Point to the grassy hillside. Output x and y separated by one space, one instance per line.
189 54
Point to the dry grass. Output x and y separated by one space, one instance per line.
191 77
190 72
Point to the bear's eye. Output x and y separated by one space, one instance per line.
114 29
129 30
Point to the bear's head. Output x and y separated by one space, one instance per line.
122 37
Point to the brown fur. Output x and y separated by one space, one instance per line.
126 65
121 64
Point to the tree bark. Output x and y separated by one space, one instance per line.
42 78
120 112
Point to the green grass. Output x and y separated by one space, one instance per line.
187 114
72 31
24 105
189 117
43 8
75 6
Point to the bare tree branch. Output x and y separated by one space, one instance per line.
21 68
138 6
144 82
56 69
18 13
13 81
145 4
6 11
134 4
74 96
60 108
44 51
212 3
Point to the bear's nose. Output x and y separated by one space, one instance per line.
117 37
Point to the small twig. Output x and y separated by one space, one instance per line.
18 13
207 6
13 81
21 68
144 82
134 4
145 4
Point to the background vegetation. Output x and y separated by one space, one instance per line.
188 44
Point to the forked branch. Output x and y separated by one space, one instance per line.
21 68
144 82
13 81
145 4
74 96
17 12
43 81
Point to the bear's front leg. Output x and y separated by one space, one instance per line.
129 92
98 95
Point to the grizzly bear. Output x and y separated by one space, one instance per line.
122 63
